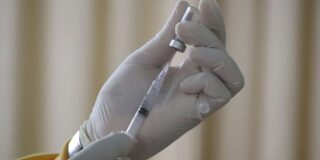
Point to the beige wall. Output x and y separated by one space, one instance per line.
56 54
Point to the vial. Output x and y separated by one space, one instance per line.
190 14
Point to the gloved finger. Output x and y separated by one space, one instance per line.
211 16
195 34
221 64
114 145
210 84
157 51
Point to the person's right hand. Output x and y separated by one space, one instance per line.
176 110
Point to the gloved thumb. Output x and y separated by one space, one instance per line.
157 51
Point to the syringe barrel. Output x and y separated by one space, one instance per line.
135 124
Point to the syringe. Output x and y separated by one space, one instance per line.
148 100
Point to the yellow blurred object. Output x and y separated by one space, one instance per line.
50 156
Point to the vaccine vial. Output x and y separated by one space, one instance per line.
190 14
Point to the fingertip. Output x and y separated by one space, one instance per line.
184 85
182 30
191 33
235 87
210 6
211 16
221 95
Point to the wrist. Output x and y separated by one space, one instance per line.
74 145
84 136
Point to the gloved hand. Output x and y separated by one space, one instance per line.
113 146
175 111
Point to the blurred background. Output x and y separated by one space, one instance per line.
56 54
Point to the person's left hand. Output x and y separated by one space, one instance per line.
175 111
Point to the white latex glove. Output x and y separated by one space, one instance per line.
113 146
176 110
